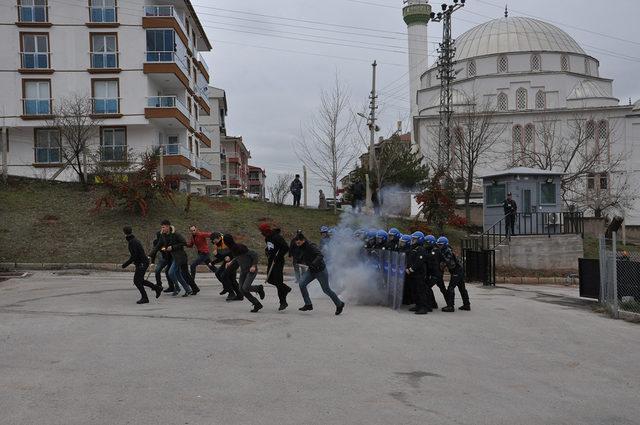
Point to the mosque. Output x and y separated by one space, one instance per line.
546 101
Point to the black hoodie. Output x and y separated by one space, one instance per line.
138 257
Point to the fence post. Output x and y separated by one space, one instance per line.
615 276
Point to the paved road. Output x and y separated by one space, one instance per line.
76 350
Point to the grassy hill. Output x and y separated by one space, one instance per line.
49 222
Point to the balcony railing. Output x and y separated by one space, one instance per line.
167 57
202 61
176 149
104 60
165 11
167 102
35 107
106 106
35 60
33 13
103 14
206 132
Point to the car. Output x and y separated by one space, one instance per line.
236 193
332 201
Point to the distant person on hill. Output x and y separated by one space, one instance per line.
296 190
358 193
141 261
322 204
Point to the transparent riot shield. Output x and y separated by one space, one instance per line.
399 280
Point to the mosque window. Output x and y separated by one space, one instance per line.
471 69
589 137
602 137
503 64
587 67
529 143
541 100
503 102
516 147
564 63
521 99
536 63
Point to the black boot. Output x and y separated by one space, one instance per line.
414 308
306 307
169 289
143 301
256 308
158 290
466 307
283 306
261 292
448 309
224 291
421 311
339 309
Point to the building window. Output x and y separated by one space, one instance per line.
160 45
529 142
587 67
541 99
471 69
521 99
106 97
503 64
590 138
36 97
33 11
516 144
113 144
496 194
536 63
104 51
564 63
35 51
591 181
604 181
47 146
503 102
548 193
103 11
602 140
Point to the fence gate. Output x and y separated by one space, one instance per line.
480 266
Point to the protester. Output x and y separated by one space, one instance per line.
164 263
296 190
276 250
230 271
294 254
141 262
322 204
311 256
247 261
201 241
358 194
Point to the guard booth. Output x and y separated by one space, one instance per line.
537 196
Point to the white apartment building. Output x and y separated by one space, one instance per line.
137 60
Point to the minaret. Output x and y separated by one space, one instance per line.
416 15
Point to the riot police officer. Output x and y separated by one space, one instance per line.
434 271
416 271
457 276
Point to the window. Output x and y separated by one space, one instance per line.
604 181
590 137
495 194
564 63
104 51
503 102
160 45
536 63
103 11
113 144
503 65
591 181
36 97
516 144
602 140
548 193
33 11
35 51
521 99
471 69
541 99
47 146
529 143
587 67
106 98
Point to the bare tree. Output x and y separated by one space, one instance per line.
279 190
475 134
580 147
326 143
72 116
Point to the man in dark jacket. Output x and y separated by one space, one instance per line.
416 270
174 243
230 271
164 263
294 253
358 193
296 190
510 212
141 262
247 261
276 250
312 257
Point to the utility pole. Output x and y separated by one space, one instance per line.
228 177
161 162
304 177
371 122
447 75
4 140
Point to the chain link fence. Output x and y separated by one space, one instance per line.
619 278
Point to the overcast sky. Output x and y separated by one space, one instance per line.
273 58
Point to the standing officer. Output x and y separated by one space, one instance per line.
296 190
416 271
457 277
434 271
510 211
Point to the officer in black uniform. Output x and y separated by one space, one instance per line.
457 277
434 271
510 211
416 271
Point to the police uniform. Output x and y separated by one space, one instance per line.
434 275
457 279
416 271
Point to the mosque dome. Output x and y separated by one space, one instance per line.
514 34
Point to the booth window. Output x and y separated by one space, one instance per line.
496 194
548 193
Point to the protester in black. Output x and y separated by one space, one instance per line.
247 261
294 253
276 250
230 271
141 262
164 263
358 193
296 190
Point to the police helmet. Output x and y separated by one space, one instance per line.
443 241
381 235
394 232
430 239
417 237
324 229
404 240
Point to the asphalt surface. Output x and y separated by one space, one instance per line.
76 349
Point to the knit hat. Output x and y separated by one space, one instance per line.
265 229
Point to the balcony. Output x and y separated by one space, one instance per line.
165 17
202 98
35 63
171 70
33 16
104 62
103 17
206 169
167 109
36 109
106 108
178 160
203 67
205 135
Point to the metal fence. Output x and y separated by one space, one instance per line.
619 278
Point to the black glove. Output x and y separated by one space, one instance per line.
124 265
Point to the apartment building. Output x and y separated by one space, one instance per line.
257 178
140 63
235 157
